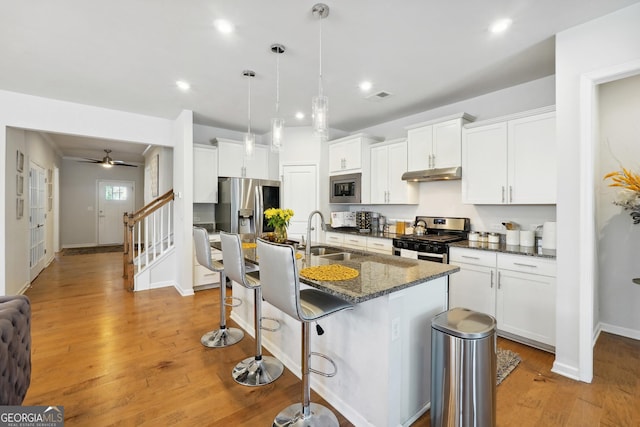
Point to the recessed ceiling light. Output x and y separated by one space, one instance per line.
299 115
223 26
182 85
500 25
365 86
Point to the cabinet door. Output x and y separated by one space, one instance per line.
473 287
257 166
419 143
381 246
205 175
400 191
230 159
336 239
345 156
447 144
380 174
484 164
532 159
526 305
355 242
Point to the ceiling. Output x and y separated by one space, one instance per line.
128 54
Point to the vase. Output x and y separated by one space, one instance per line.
280 234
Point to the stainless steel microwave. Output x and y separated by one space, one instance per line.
345 188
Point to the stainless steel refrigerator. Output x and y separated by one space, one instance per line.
242 202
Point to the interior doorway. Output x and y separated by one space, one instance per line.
300 193
37 220
114 199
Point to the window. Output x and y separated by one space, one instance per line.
113 192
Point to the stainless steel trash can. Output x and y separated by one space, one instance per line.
463 369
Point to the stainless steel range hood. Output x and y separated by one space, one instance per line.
441 174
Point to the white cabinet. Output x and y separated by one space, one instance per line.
510 161
205 174
350 154
232 161
203 278
363 243
519 291
380 245
388 163
436 144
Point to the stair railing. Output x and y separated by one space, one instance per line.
148 233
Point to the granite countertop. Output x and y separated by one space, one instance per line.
378 274
507 249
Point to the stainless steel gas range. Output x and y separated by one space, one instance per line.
432 243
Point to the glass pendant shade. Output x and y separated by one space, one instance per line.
320 110
249 144
277 131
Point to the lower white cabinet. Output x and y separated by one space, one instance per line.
519 291
203 278
362 243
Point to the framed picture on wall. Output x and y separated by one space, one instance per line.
19 185
19 207
154 175
19 161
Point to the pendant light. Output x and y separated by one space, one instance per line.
249 138
277 123
320 103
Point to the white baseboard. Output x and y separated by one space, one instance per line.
566 370
618 330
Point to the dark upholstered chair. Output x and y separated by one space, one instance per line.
15 349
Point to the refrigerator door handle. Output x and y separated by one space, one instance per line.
259 211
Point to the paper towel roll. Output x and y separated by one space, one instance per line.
549 235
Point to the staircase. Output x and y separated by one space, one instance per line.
148 238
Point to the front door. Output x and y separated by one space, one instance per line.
37 220
114 199
300 193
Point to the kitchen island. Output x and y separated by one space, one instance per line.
382 347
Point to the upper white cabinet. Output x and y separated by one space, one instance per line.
205 174
232 161
510 160
388 163
350 154
437 143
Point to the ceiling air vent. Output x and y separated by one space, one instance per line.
378 96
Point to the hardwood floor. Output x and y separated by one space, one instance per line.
111 357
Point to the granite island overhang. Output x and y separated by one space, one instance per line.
382 347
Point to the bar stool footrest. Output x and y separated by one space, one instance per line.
233 302
276 329
327 358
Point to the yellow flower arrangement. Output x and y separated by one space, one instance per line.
629 195
278 218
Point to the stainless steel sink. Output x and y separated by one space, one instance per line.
338 256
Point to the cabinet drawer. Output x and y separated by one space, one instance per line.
353 241
472 256
527 264
334 238
202 275
383 246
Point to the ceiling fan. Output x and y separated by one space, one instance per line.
108 162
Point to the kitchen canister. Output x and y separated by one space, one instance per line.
493 238
513 237
549 235
527 238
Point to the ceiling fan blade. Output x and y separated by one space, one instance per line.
121 163
90 161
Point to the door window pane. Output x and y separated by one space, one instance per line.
113 192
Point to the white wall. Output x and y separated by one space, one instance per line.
165 171
79 198
35 149
601 44
443 198
618 238
48 115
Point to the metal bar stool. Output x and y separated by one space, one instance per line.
258 370
281 288
224 336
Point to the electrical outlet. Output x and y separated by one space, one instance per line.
395 329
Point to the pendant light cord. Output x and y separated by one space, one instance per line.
249 103
320 61
277 83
